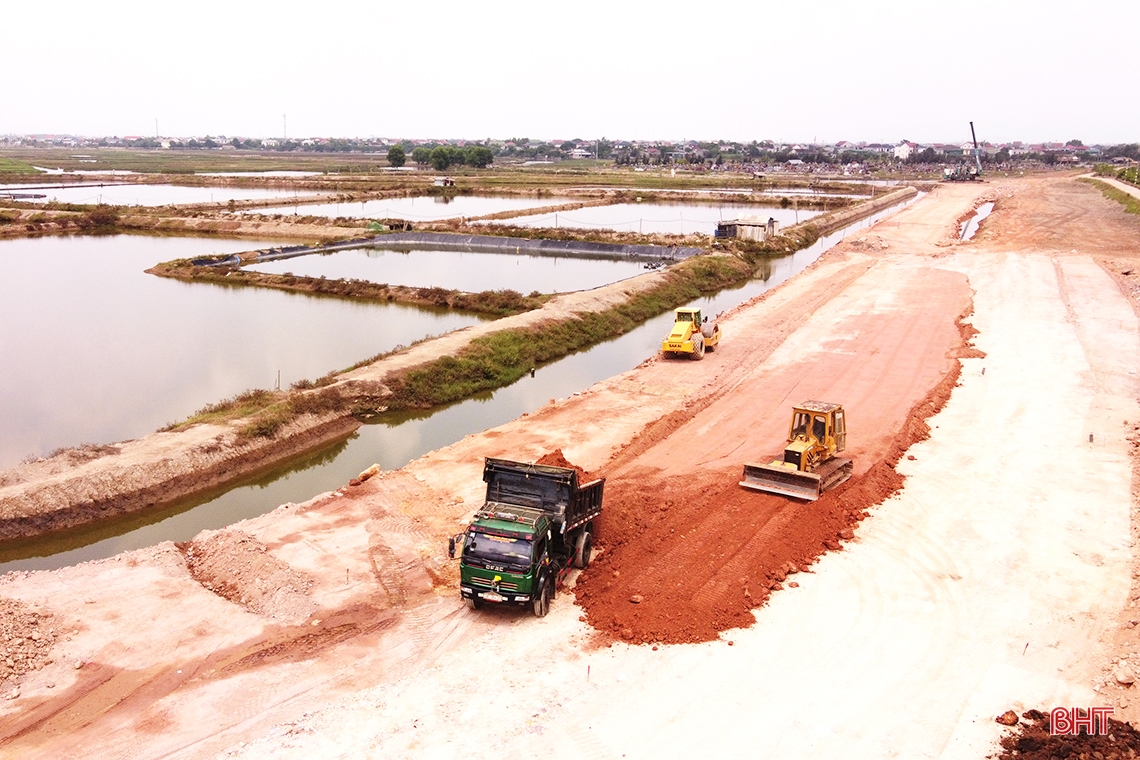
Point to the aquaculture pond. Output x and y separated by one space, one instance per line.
460 270
121 194
423 208
396 439
663 218
96 350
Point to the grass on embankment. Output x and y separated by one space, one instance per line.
501 358
15 166
498 303
488 362
1130 202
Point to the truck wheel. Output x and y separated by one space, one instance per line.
475 603
583 549
698 350
542 601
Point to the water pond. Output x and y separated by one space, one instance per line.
661 218
424 208
459 270
117 194
96 350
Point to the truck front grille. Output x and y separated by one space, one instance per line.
486 583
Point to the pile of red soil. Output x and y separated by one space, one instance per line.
557 459
1031 740
688 557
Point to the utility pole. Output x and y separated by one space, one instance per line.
284 128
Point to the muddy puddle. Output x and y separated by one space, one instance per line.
969 228
394 440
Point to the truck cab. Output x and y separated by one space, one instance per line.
506 556
534 526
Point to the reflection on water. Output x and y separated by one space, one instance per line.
969 228
396 439
460 270
425 208
661 218
147 195
96 350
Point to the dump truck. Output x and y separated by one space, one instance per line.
691 335
817 433
535 525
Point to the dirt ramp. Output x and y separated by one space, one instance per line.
686 559
689 557
237 567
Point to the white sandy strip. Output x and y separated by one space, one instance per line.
1013 530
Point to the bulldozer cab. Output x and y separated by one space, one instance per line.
687 314
809 467
821 422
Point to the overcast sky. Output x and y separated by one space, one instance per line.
796 71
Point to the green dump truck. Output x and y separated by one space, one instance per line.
536 523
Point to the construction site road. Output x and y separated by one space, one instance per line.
978 560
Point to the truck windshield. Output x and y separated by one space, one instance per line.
499 550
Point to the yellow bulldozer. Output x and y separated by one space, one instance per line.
810 466
691 336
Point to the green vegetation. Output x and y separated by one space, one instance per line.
446 156
1130 202
15 166
100 217
396 156
499 359
267 411
242 405
497 303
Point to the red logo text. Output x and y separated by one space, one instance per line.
1069 721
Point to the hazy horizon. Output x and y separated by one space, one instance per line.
818 71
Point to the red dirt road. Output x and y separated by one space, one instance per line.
698 551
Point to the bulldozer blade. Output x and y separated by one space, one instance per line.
796 484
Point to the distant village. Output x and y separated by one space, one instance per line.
715 154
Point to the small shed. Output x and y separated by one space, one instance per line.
748 227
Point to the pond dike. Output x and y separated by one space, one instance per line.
478 244
89 485
825 224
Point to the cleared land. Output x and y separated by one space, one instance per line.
996 576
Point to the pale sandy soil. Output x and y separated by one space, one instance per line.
999 577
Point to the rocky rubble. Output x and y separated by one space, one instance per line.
26 639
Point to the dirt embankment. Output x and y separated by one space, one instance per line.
493 302
72 489
699 554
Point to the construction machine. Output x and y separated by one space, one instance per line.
536 523
964 172
810 466
691 335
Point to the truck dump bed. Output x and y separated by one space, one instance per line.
554 490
